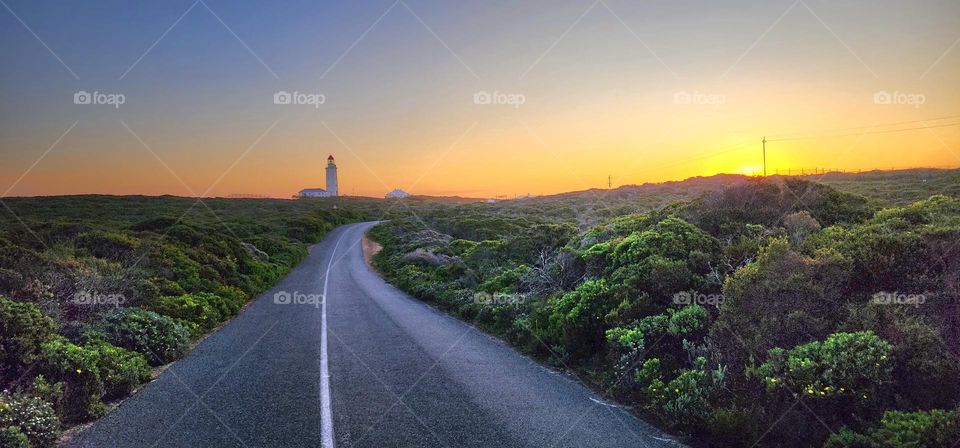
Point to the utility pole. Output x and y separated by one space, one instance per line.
764 156
609 182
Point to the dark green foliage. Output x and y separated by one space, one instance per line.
854 365
925 429
23 329
159 338
579 317
13 437
781 300
924 370
202 310
109 245
936 427
120 370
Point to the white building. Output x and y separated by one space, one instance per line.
331 190
397 194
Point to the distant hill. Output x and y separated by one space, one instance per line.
896 187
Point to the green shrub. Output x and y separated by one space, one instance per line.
691 394
688 319
233 296
923 429
650 378
159 338
78 368
109 245
120 370
919 429
846 364
23 329
579 317
205 310
731 427
12 437
27 421
86 375
845 438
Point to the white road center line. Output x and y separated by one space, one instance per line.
326 415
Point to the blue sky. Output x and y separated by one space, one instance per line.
597 78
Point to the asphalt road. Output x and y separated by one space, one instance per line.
401 374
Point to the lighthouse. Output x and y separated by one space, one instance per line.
331 177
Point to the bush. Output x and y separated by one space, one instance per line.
915 429
23 329
86 375
691 394
120 370
688 319
78 368
846 364
205 310
159 338
12 437
934 428
845 438
579 317
108 245
27 421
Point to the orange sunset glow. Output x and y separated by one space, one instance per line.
637 92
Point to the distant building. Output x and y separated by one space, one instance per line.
398 193
313 193
331 191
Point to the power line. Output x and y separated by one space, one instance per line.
867 132
798 135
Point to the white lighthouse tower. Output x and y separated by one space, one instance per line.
331 177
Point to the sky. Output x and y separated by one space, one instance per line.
480 99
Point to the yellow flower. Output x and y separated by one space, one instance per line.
79 371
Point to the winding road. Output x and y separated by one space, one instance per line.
369 366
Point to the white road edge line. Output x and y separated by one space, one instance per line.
326 415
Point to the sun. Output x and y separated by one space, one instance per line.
750 170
